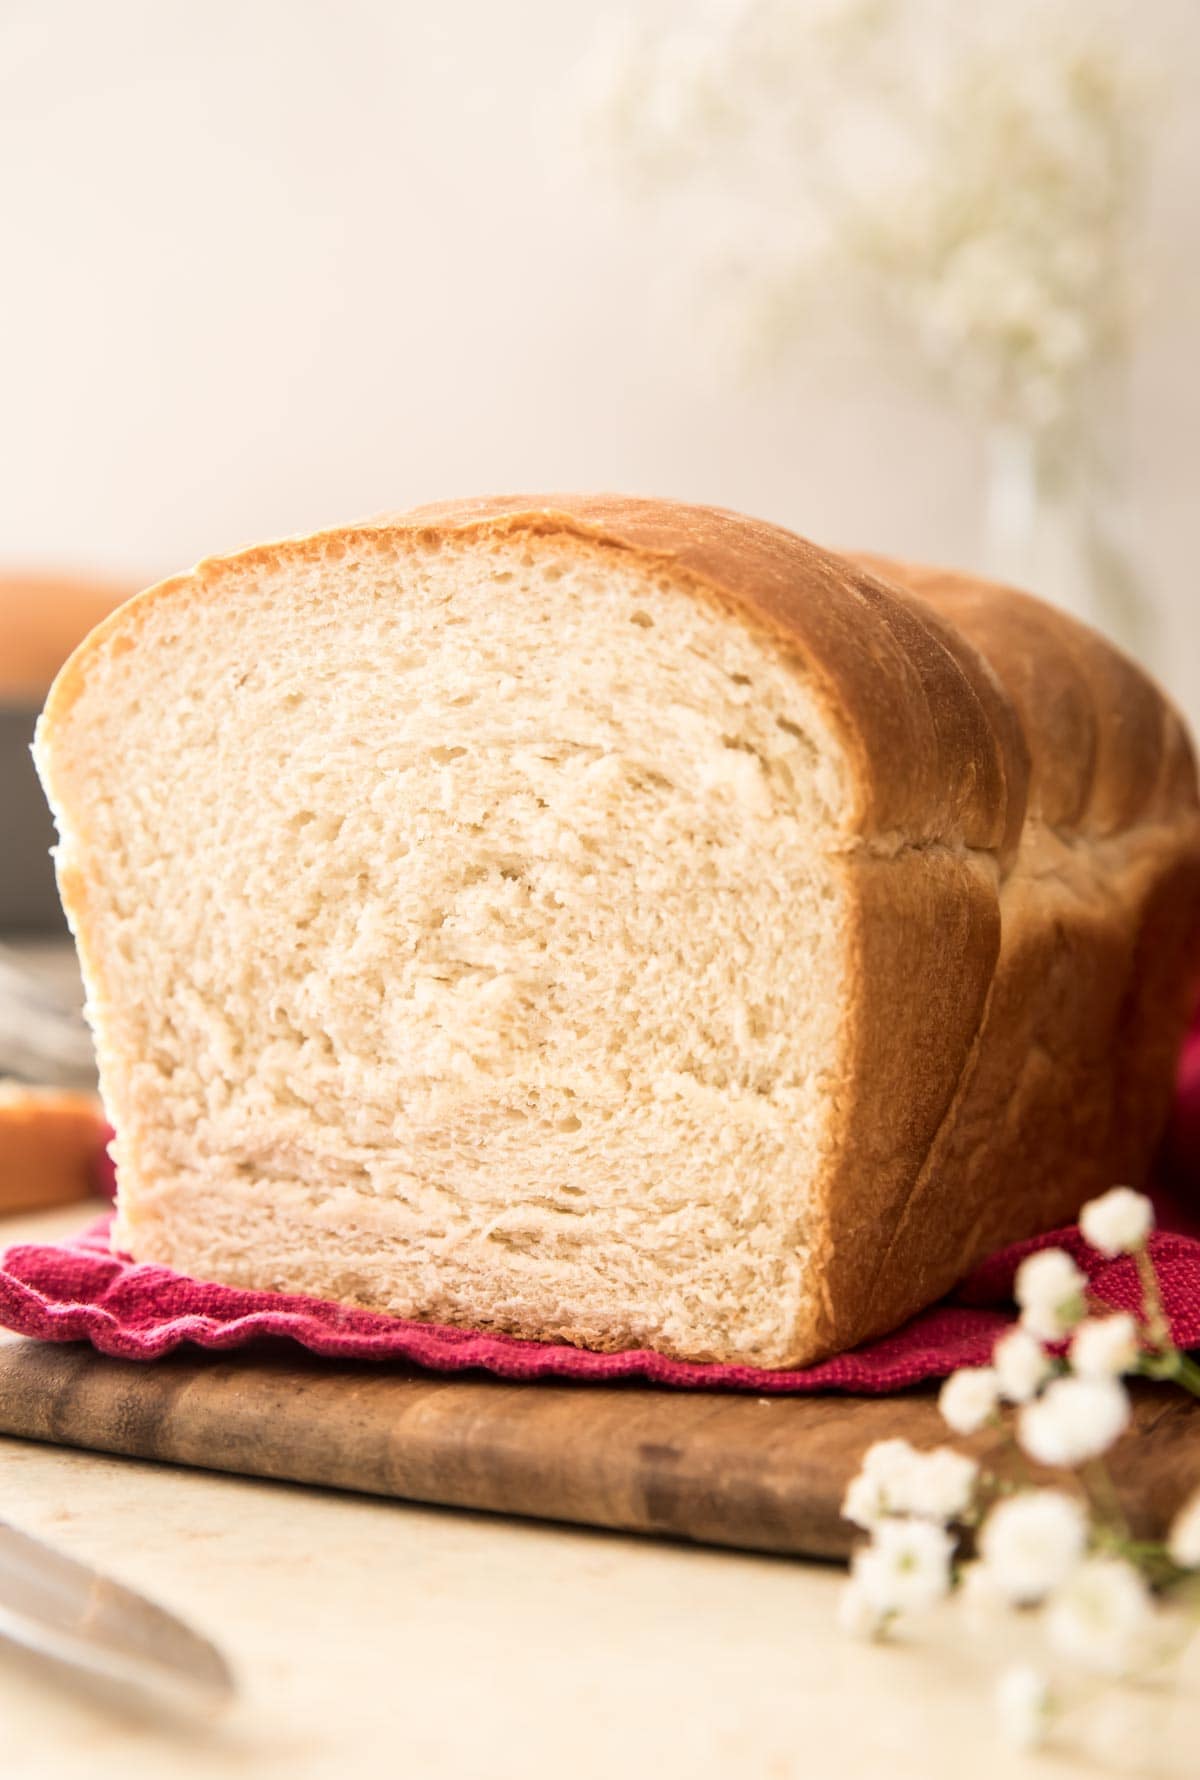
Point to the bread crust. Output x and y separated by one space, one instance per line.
1021 850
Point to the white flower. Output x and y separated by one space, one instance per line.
1183 1541
1031 1542
939 1485
1023 1706
1021 1364
888 1459
1118 1222
1104 1347
864 1502
905 1568
968 1398
879 1487
897 1479
1102 1617
1073 1420
856 1616
1050 1288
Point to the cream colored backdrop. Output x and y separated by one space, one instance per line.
266 265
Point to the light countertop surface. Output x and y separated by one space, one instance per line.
378 1638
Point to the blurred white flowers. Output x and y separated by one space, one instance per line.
968 175
897 1479
968 1398
1064 1559
1031 1543
1102 1617
1023 1706
939 1485
1105 1346
1050 1291
1021 1364
855 1614
905 1499
905 1568
880 1485
1075 1419
1118 1223
1183 1541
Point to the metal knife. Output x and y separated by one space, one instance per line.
96 1631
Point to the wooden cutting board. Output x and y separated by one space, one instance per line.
763 1474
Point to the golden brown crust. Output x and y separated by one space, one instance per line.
1067 1085
1022 855
932 764
1107 750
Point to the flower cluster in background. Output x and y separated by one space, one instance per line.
1105 1603
966 177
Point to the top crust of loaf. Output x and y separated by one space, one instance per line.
966 708
938 756
1007 769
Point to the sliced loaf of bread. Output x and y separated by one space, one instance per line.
615 921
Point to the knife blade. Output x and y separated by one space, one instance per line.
88 1625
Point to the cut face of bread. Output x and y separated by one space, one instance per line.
467 942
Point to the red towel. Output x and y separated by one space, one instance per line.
79 1291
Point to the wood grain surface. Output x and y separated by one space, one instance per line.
762 1474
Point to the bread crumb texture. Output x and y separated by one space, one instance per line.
465 944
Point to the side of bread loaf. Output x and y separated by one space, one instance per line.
617 921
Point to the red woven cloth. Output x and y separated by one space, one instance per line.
80 1291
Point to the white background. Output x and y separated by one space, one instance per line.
269 265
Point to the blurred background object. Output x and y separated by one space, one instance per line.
955 190
52 1147
42 1035
270 265
42 617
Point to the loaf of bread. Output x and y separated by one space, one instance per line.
617 922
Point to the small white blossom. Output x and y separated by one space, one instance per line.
1050 1290
888 1460
897 1479
939 1485
856 1616
1023 1706
1118 1222
1021 1364
1102 1617
1031 1542
906 1567
864 1502
1105 1346
1183 1542
878 1488
1073 1420
968 1398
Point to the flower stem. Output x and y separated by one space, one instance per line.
1187 1373
1158 1329
1172 1367
1011 1449
1097 1479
